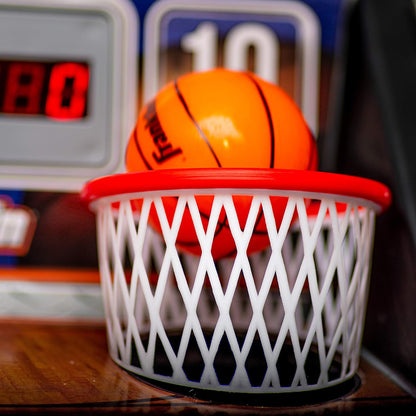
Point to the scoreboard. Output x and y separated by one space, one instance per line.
68 90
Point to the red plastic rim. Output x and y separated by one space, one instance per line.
233 178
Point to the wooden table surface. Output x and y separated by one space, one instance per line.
55 367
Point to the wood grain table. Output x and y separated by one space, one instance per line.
58 367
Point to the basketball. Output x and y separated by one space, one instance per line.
220 118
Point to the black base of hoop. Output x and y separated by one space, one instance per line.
290 399
224 365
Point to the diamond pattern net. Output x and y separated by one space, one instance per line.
288 318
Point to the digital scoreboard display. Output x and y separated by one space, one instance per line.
68 90
57 90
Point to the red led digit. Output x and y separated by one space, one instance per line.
67 92
23 89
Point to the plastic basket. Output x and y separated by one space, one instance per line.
287 319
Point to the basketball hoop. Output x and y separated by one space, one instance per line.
287 319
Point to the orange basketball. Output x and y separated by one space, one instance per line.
221 118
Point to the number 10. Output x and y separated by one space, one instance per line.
203 43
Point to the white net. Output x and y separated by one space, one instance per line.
286 319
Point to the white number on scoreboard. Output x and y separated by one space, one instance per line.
203 44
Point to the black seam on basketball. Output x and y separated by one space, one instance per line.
269 117
259 232
136 141
231 253
255 230
272 135
221 225
185 106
